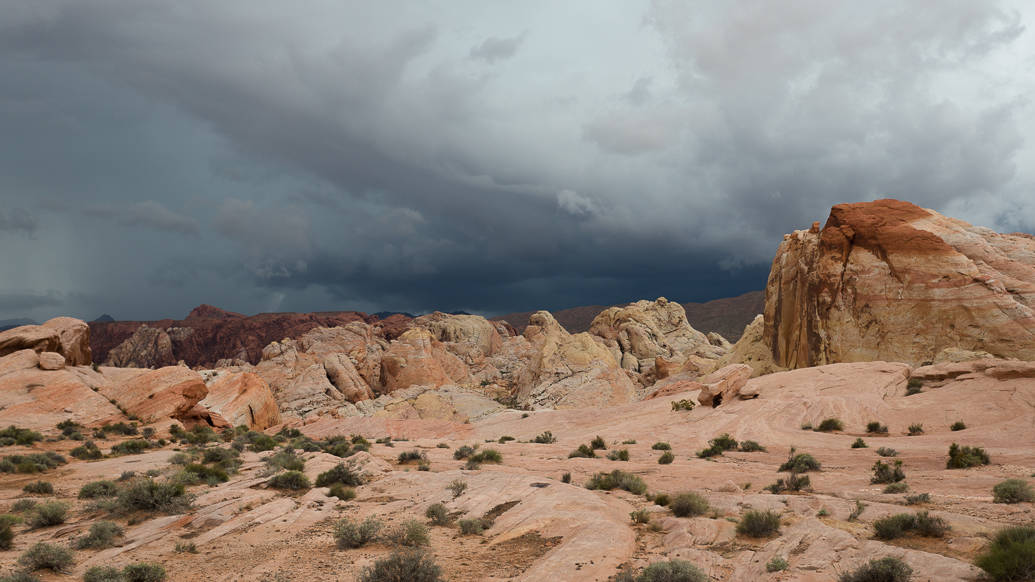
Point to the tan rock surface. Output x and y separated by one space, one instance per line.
39 399
417 358
29 337
74 336
51 361
148 347
241 398
151 395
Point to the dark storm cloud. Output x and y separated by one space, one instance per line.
18 220
359 155
13 302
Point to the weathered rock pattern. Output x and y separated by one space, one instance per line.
725 385
887 280
148 347
151 395
74 339
29 337
38 399
240 398
417 358
51 361
752 350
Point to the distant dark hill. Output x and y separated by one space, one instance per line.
727 316
6 324
104 318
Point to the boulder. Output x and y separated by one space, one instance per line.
416 358
38 400
51 361
29 337
74 337
240 398
17 361
153 395
887 280
463 329
724 385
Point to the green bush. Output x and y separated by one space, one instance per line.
505 439
152 496
684 404
101 535
211 475
898 525
794 482
351 534
13 435
712 451
618 455
882 570
1010 556
7 523
286 459
899 487
413 456
874 427
31 463
597 443
457 487
487 456
143 572
44 556
1013 491
688 505
662 499
759 524
830 424
87 451
887 472
958 425
131 447
584 451
23 505
640 516
617 479
293 480
918 499
566 478
261 442
661 446
724 442
777 564
338 474
672 571
859 444
48 514
474 526
463 452
127 429
915 429
341 492
800 463
666 458
914 386
39 488
438 514
412 533
964 457
887 452
403 566
544 438
751 447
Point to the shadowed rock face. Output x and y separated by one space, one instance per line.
887 280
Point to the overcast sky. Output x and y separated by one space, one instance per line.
480 155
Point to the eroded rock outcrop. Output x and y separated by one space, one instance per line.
240 398
67 336
38 399
887 280
152 395
148 347
417 358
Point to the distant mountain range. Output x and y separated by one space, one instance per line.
6 324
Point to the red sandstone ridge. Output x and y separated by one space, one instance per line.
888 280
210 334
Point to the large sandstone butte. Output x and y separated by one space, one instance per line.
888 280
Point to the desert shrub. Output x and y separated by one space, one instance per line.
859 508
143 572
1012 491
661 446
914 386
21 575
666 458
87 451
505 439
887 472
463 452
806 426
672 571
800 463
759 524
640 516
918 499
153 496
13 435
341 492
7 523
44 556
617 479
662 499
31 463
412 533
338 474
584 451
887 452
618 455
405 566
688 505
286 459
185 548
1011 555
915 429
566 478
148 432
899 487
930 526
180 459
958 425
629 442
793 482
293 480
712 451
351 534
882 570
39 488
751 447
777 564
457 487
684 404
438 514
859 444
874 427
23 505
199 435
898 525
131 447
211 475
260 442
413 456
830 424
474 526
101 535
48 514
544 438
724 442
964 457
597 443
487 456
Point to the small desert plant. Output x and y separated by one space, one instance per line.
150 495
413 456
800 463
463 452
403 566
584 451
958 425
101 535
640 516
759 524
7 523
618 455
544 438
882 570
859 508
13 435
23 505
474 526
438 514
672 571
39 488
629 442
918 499
293 480
859 444
487 456
31 463
751 447
712 451
830 424
597 443
777 564
914 386
661 446
899 487
457 487
662 499
684 404
351 534
44 556
617 479
341 492
666 458
793 482
724 442
285 459
103 574
1011 555
412 533
887 472
185 548
505 439
49 513
874 427
915 429
143 572
688 505
964 457
1013 491
338 474
806 426
895 526
22 576
887 452
131 447
87 451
